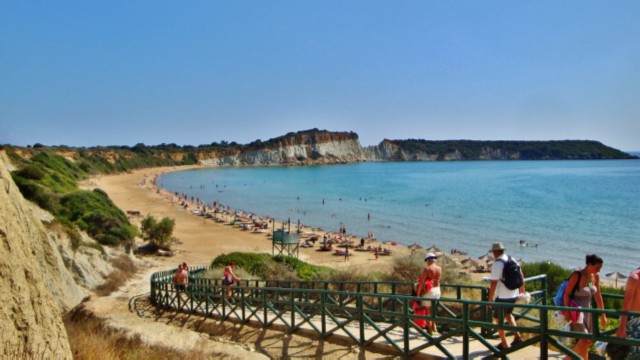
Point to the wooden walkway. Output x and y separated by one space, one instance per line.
378 316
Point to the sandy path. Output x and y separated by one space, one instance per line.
201 240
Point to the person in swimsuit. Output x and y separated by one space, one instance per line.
587 286
229 278
430 277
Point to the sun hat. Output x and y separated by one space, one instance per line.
430 256
497 247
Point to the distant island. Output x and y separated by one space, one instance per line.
316 147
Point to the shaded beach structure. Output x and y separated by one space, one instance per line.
472 264
285 242
434 249
486 258
615 276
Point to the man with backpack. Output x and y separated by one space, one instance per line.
507 281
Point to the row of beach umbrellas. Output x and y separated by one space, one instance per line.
488 258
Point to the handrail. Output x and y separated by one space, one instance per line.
374 313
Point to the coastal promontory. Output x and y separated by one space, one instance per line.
324 147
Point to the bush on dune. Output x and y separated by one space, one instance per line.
51 180
95 213
556 274
409 269
269 267
157 233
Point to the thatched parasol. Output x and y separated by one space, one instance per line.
434 249
414 246
485 257
616 275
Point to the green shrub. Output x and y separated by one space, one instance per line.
556 274
31 172
38 194
303 270
409 269
406 268
249 261
265 266
612 303
95 213
157 233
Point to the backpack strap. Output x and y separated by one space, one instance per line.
504 263
577 285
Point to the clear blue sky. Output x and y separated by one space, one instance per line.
86 73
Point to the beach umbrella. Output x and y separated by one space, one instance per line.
469 262
616 275
434 249
414 246
485 257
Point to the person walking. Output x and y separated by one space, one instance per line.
429 287
630 325
587 286
229 278
501 294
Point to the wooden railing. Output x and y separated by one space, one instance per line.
378 313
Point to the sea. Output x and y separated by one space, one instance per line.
561 210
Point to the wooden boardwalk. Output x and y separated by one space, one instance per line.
378 316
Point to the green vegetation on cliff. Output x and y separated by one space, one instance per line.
48 175
51 181
521 150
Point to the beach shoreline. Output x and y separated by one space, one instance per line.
202 239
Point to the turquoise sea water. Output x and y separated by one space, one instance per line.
567 208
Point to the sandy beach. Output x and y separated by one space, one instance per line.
202 239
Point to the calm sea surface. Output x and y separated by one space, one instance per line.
566 208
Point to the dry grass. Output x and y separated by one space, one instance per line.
125 268
91 339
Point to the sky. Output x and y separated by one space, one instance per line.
98 73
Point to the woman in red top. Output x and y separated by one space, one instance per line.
229 278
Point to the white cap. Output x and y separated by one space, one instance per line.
430 256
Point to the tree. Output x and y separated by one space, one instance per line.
157 233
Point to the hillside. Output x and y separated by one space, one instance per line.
35 281
314 147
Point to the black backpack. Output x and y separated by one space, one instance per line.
511 274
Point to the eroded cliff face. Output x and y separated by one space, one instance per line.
312 147
326 147
35 286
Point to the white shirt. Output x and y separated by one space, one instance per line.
502 291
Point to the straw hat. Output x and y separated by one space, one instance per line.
497 247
